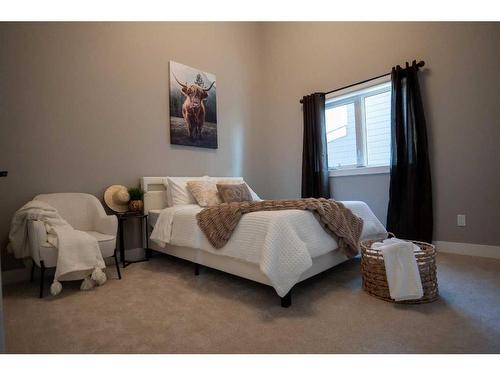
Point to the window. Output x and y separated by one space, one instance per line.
358 129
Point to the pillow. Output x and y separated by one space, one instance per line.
177 191
235 180
205 192
234 192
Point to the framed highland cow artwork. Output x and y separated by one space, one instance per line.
193 107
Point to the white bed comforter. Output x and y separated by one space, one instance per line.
282 243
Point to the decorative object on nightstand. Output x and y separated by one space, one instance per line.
143 218
116 198
136 194
375 277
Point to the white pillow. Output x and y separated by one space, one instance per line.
205 192
235 180
177 191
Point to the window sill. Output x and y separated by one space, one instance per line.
359 171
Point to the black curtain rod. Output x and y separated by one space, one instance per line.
419 65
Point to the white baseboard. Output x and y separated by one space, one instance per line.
23 274
487 251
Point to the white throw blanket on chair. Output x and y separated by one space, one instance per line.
79 256
401 269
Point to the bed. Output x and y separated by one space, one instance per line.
275 248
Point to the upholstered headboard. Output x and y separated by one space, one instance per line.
155 193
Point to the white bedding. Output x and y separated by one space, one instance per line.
282 243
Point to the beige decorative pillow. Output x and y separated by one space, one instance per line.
234 192
205 192
236 180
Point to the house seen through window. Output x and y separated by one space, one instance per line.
358 127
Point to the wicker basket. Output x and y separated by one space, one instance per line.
375 280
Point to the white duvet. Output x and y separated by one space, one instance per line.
282 243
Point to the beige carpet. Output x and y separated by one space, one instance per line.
161 307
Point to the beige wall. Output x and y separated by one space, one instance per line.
84 106
461 90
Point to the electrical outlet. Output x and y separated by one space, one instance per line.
461 220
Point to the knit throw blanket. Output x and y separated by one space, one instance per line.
219 222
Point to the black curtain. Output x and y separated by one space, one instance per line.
409 213
315 183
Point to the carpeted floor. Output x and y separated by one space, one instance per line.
161 307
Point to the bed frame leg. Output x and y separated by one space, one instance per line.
196 269
286 301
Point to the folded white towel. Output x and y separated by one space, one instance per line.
401 269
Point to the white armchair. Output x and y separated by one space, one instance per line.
83 212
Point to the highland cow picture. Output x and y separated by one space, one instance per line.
193 107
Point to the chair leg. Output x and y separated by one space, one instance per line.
32 275
42 277
117 266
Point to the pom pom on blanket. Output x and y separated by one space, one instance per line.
87 284
98 276
55 288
